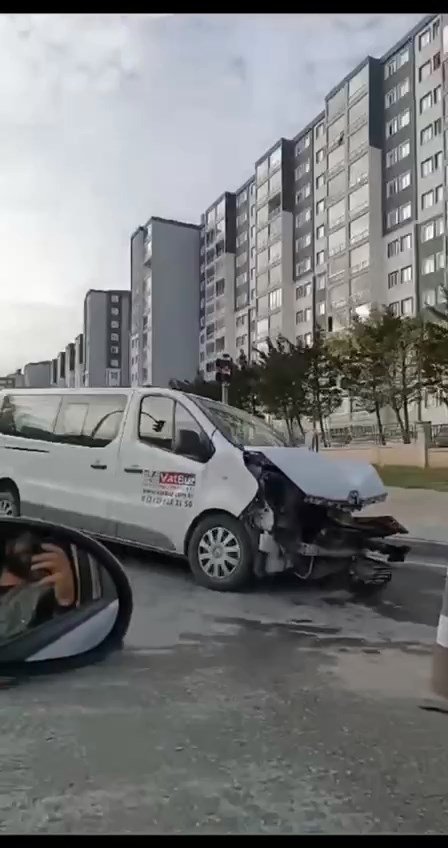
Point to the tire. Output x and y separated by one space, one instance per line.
9 503
220 553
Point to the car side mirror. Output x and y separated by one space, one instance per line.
190 443
64 597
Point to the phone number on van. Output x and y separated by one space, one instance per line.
168 488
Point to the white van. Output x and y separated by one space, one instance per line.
170 471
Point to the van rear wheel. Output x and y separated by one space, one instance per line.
9 503
220 553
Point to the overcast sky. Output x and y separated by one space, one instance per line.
106 120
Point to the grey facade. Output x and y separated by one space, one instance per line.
37 375
351 212
164 343
107 316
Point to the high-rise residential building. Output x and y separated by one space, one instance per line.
37 375
70 366
165 273
350 213
106 338
79 361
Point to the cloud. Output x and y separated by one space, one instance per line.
106 120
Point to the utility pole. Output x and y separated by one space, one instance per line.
224 367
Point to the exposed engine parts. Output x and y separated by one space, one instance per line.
316 538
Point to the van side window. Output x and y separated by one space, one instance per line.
156 421
92 421
29 416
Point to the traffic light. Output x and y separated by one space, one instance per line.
224 367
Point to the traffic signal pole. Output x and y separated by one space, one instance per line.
224 367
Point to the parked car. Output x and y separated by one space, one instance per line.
441 439
188 476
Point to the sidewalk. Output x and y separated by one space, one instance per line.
422 511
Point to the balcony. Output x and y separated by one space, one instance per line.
336 275
363 178
360 268
357 210
357 237
358 151
333 225
353 98
336 195
333 172
356 125
340 248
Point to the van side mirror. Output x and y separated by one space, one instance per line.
190 443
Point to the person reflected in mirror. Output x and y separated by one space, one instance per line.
36 584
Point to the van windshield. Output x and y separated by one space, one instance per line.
239 427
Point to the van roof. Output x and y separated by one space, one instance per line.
88 390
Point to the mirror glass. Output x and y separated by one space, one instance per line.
57 598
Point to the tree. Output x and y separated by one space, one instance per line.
434 360
282 373
387 352
440 312
244 387
323 390
204 388
359 358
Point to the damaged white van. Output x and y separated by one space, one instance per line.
173 472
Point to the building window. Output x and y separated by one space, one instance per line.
320 232
115 325
404 149
320 257
406 242
393 248
427 167
275 299
115 298
320 181
320 282
391 157
428 265
320 156
407 306
320 129
440 260
437 94
426 102
436 61
405 212
303 266
424 39
404 180
426 134
424 71
115 311
392 279
395 308
320 207
406 274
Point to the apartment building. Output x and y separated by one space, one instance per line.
79 361
348 214
165 273
37 375
105 339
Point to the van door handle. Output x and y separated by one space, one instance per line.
134 469
97 466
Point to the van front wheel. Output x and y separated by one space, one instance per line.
220 553
9 504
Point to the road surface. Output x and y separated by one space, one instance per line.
285 710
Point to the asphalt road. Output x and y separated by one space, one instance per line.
284 710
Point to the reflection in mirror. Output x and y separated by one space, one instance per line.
56 597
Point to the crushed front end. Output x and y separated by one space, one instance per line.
316 536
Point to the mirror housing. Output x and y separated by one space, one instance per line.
189 443
64 598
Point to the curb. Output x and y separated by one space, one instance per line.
426 548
